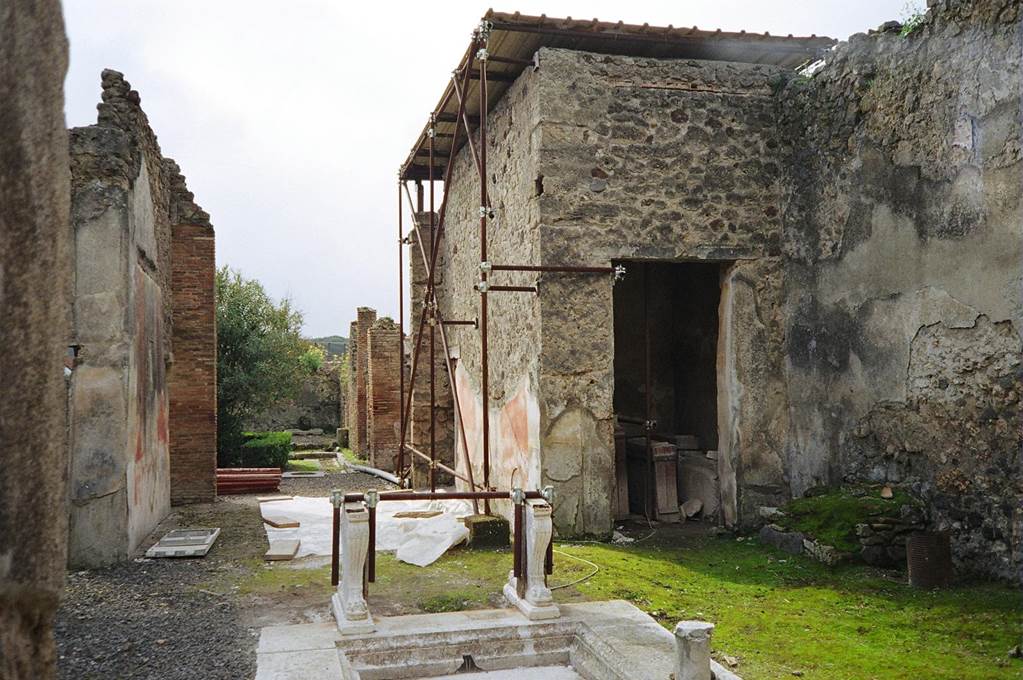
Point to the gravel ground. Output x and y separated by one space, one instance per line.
349 482
151 620
178 619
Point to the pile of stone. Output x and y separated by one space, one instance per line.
883 540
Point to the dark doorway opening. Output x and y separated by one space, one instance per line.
665 386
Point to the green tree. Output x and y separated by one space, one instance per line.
313 358
259 357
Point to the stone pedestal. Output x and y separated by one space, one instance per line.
692 646
532 597
348 604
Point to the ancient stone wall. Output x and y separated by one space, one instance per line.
193 375
672 160
902 275
444 423
384 352
317 404
35 271
126 197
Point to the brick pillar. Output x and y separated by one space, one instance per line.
350 394
357 434
382 393
193 376
444 411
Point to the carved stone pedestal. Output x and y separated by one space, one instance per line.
348 604
532 597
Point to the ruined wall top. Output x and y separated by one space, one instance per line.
183 208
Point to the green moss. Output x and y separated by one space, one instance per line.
832 517
780 614
303 465
350 456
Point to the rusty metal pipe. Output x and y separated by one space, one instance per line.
512 289
400 463
371 561
484 202
335 548
450 368
433 332
567 269
440 496
442 466
517 566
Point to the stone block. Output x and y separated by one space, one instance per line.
486 531
786 541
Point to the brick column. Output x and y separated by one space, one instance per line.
357 429
382 393
193 376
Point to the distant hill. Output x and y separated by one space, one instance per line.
333 345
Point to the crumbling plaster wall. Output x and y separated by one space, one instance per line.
514 318
902 276
35 294
674 160
122 315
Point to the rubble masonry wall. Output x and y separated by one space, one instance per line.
902 272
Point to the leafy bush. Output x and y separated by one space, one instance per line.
312 359
265 449
259 357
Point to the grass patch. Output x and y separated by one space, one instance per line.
780 614
350 456
832 517
304 465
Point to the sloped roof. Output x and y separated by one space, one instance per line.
515 38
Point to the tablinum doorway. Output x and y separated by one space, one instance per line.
665 373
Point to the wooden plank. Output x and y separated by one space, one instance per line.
285 549
417 514
282 522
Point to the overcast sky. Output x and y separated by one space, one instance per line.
290 119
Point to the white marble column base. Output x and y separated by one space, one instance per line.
529 610
350 626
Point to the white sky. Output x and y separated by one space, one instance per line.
290 119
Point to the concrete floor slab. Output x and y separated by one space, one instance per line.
314 664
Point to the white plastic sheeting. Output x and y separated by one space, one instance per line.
418 541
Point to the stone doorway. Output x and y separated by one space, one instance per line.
666 330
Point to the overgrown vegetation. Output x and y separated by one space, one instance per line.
259 357
832 517
262 449
912 18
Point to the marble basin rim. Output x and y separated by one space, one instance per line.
609 640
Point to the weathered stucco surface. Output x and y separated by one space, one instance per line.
646 159
866 221
514 329
35 292
902 278
125 196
